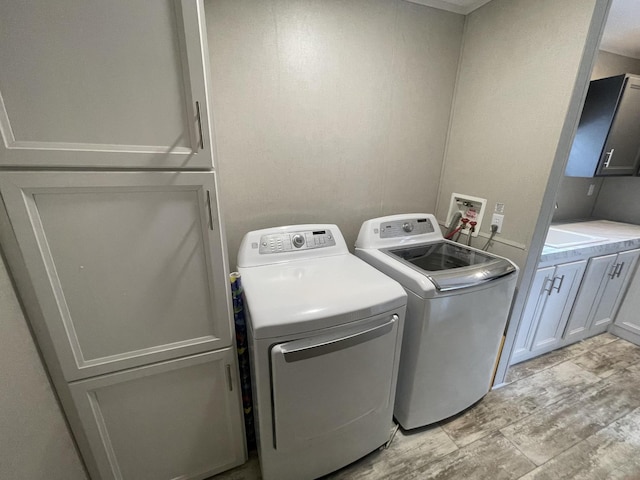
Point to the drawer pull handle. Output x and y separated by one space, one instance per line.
619 269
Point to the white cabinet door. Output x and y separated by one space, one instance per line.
532 313
176 419
600 295
547 310
596 279
561 294
614 292
627 320
128 268
115 84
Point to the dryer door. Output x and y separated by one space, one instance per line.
331 382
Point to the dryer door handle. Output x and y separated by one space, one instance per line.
315 347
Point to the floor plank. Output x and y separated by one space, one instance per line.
553 429
535 365
515 401
408 451
611 453
607 359
492 457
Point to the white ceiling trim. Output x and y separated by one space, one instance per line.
463 7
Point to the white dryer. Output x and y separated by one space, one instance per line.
458 304
325 331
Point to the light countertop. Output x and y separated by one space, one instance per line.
616 236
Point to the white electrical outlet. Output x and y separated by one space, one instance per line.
497 219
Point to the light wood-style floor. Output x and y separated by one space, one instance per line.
571 414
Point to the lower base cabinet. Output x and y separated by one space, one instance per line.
547 309
572 301
601 293
175 419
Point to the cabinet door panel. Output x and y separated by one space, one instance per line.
177 419
128 267
628 318
614 291
592 288
532 312
103 84
557 308
622 149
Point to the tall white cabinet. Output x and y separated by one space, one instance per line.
116 228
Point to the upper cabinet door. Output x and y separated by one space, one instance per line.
622 149
128 268
111 84
607 141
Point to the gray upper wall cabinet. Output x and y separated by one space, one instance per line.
608 138
117 84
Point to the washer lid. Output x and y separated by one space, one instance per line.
311 294
451 266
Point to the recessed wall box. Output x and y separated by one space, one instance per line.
470 207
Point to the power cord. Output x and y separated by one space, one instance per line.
494 230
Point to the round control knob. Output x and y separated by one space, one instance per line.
407 227
297 240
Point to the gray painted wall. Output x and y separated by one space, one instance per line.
519 63
329 111
573 199
609 64
34 440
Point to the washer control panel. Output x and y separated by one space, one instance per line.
303 240
405 227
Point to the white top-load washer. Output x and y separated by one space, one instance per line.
458 303
325 330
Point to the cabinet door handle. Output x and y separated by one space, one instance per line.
209 210
614 269
557 289
619 269
229 378
550 289
201 141
609 156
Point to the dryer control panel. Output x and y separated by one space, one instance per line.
291 241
